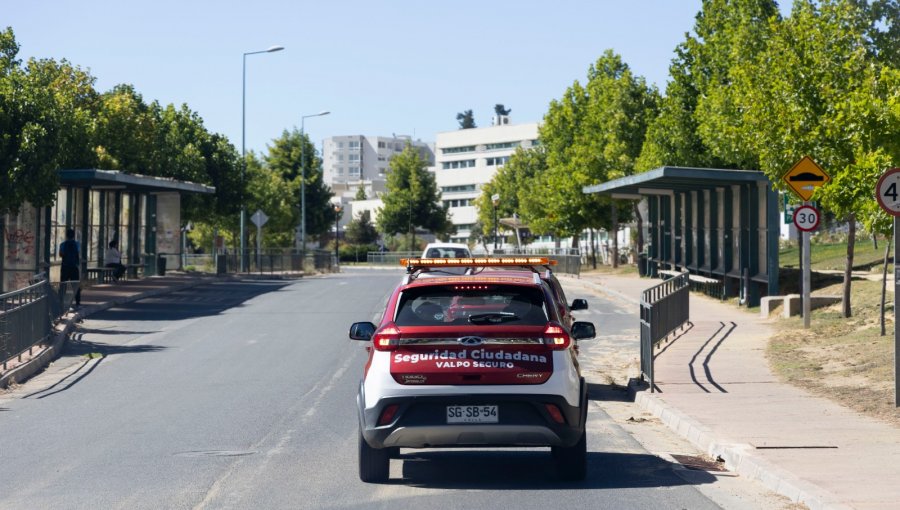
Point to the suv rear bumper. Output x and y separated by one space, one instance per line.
421 421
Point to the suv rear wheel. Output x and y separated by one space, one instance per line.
374 463
571 462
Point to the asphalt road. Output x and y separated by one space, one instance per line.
241 395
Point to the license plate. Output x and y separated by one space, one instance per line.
472 414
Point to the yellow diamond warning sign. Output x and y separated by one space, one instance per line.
804 177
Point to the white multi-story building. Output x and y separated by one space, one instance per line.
466 159
357 160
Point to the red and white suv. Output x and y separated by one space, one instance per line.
486 358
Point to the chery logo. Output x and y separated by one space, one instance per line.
471 340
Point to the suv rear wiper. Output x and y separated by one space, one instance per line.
495 317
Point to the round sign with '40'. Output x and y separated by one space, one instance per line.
887 191
806 218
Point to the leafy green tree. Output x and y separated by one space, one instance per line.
593 134
823 88
125 131
466 119
728 33
499 109
361 230
44 123
286 158
361 193
510 182
412 199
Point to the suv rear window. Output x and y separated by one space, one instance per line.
447 253
477 304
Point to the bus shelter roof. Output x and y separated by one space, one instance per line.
119 181
673 178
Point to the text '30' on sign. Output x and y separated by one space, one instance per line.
887 191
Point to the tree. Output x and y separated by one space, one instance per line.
700 111
361 230
500 110
43 124
593 134
822 87
510 182
412 199
466 119
286 158
361 193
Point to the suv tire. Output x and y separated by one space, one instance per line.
374 464
571 462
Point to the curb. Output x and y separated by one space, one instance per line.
737 456
68 322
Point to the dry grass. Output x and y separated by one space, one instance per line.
846 360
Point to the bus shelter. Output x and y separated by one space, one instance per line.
142 213
716 224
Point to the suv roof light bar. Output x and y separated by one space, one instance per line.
432 263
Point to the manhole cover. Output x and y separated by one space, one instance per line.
698 463
215 453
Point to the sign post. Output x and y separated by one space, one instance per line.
803 178
259 219
887 192
806 219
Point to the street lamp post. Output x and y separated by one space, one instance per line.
495 199
337 251
303 182
271 49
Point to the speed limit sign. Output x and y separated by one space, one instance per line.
806 218
887 191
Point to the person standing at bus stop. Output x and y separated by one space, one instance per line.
70 253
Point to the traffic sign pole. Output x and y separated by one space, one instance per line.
807 277
887 192
896 304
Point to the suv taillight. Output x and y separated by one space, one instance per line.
387 338
556 338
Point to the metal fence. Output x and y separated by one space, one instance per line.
664 308
25 320
268 261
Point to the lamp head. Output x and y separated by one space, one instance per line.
273 49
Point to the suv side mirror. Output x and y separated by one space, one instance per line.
579 304
362 331
582 330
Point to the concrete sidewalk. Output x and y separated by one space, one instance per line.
96 299
714 388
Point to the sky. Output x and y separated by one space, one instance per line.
380 67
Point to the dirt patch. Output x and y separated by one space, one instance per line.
846 360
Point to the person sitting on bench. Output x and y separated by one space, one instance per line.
114 260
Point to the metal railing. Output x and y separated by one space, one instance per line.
389 258
25 320
664 308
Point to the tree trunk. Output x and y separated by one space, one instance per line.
851 241
593 248
887 252
615 235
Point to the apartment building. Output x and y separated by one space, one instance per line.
466 159
358 160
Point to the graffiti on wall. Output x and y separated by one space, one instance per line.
20 239
19 246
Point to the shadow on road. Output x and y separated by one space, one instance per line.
515 470
78 346
201 301
607 392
